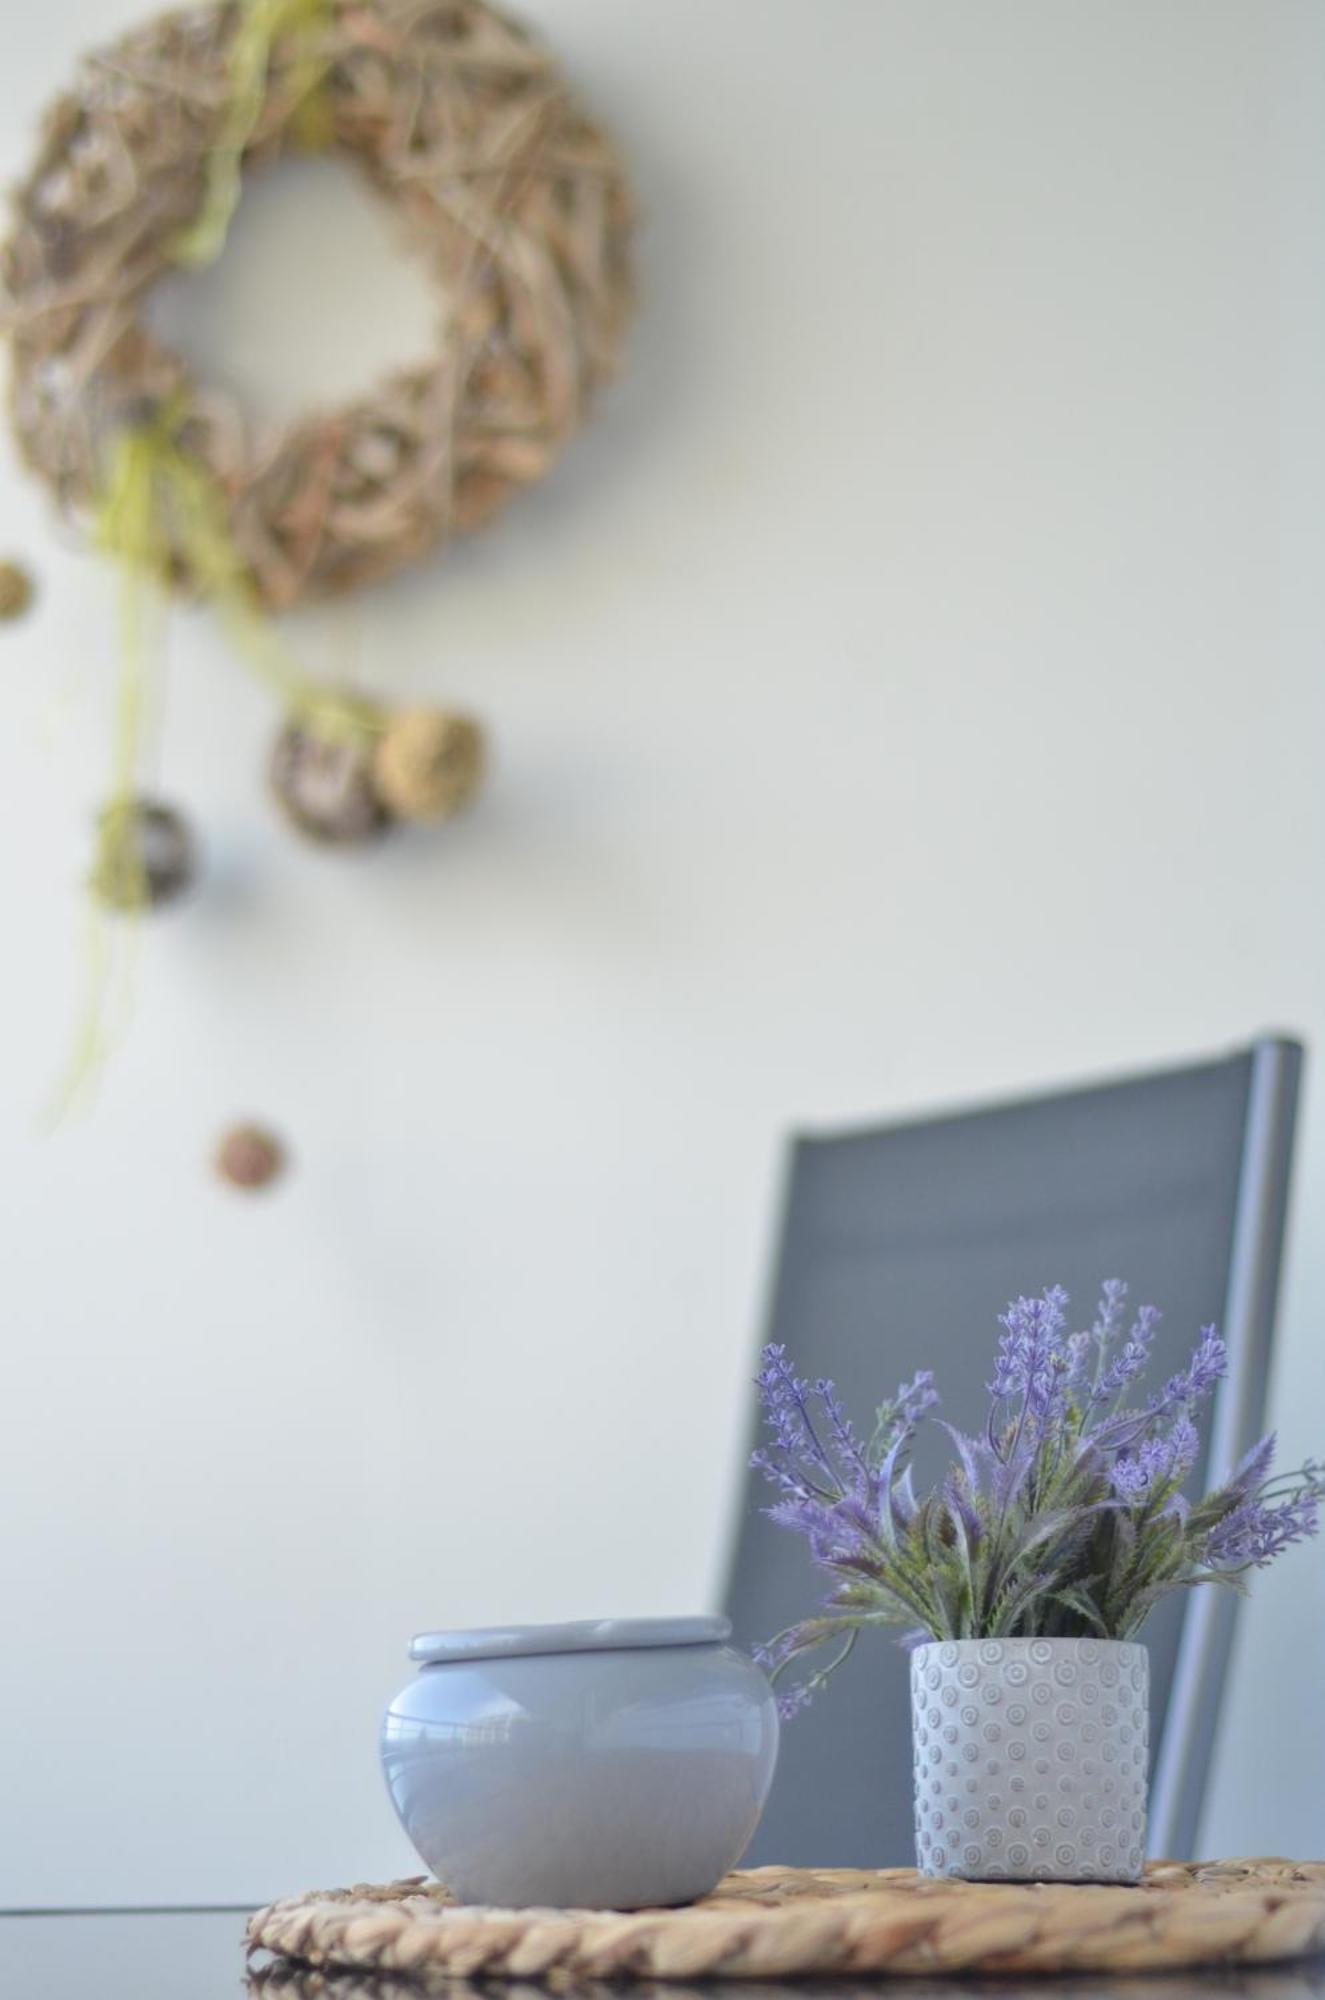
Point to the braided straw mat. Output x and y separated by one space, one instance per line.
771 1923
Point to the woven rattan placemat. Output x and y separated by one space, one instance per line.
772 1923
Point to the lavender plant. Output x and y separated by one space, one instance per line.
1064 1517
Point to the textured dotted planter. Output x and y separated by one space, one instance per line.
1030 1759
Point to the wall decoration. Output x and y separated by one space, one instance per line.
515 201
518 205
324 786
145 855
250 1157
422 764
428 763
15 590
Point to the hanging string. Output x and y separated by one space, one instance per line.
261 25
160 507
124 526
163 507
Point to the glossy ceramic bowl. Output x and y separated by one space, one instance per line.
618 1764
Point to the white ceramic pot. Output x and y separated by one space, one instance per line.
606 1765
1031 1759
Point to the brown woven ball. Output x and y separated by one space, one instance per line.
249 1157
145 854
15 590
324 786
515 201
428 764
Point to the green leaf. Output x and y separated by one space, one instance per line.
1074 1598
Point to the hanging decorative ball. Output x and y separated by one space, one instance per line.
250 1157
15 590
324 785
145 855
428 763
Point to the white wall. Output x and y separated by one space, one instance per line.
909 692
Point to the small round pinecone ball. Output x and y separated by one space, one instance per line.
250 1157
428 763
15 590
324 786
145 855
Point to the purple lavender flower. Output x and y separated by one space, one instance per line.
775 1654
1251 1472
829 1487
1261 1516
1183 1445
917 1397
1067 1516
1208 1365
1109 1312
1100 1335
1181 1394
901 1413
1130 1476
1077 1349
1159 1462
787 1412
1257 1530
1030 1355
792 1700
1132 1359
843 1436
1033 1372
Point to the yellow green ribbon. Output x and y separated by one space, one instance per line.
125 523
262 24
161 503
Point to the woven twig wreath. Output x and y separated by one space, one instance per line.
516 201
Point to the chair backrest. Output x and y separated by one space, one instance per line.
899 1247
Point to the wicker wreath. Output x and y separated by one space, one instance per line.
518 204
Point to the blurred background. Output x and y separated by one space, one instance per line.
907 692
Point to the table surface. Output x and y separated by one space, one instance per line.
198 1955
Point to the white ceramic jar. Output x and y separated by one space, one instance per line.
1031 1759
606 1765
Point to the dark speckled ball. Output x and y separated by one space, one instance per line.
324 786
145 856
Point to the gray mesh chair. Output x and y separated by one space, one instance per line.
899 1246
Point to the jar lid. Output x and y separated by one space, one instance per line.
587 1635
